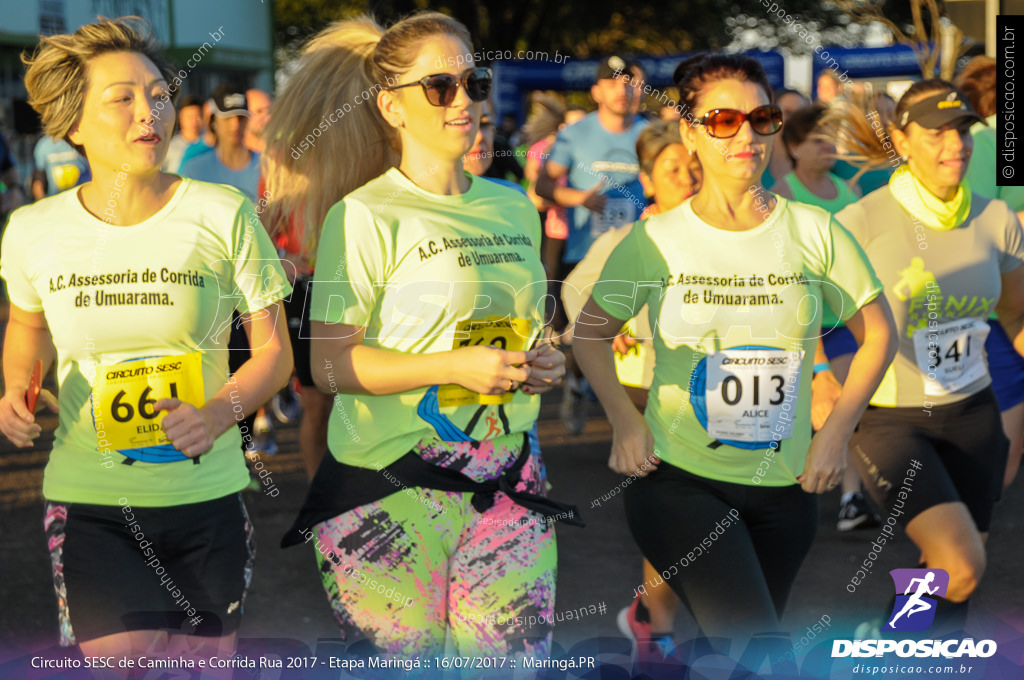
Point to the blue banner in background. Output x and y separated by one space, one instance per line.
514 79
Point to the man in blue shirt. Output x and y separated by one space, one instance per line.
58 167
598 155
230 162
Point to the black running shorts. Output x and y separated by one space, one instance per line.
184 569
957 453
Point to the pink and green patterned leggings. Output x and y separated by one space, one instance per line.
408 569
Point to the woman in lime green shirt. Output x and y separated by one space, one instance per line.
724 506
133 278
427 514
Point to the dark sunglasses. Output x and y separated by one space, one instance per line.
440 89
725 123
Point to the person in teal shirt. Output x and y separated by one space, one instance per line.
812 181
978 82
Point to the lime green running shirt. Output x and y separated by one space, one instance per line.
115 295
981 172
802 194
735 319
425 273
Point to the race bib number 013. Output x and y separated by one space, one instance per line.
124 395
746 393
497 331
950 354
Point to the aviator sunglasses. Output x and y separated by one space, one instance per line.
725 123
440 89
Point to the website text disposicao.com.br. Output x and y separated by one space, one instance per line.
900 671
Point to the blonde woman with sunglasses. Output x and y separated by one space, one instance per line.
427 513
734 279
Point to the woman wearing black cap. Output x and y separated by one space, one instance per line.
931 448
734 279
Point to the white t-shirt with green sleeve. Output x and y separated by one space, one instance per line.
138 313
735 319
942 286
425 273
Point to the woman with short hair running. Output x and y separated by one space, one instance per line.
426 514
133 278
948 258
728 277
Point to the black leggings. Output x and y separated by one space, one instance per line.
730 551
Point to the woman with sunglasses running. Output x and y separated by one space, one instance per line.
948 258
426 514
734 279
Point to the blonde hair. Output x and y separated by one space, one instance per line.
847 125
326 137
57 75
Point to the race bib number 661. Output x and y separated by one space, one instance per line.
125 393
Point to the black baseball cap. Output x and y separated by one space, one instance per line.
228 100
611 67
938 110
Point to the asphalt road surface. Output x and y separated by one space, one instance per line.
598 565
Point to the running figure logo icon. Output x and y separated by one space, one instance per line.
915 611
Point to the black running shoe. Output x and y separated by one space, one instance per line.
854 513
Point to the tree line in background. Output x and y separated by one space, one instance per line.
598 27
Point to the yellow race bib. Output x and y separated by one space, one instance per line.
498 331
124 395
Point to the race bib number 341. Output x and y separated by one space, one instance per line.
125 393
746 393
951 355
